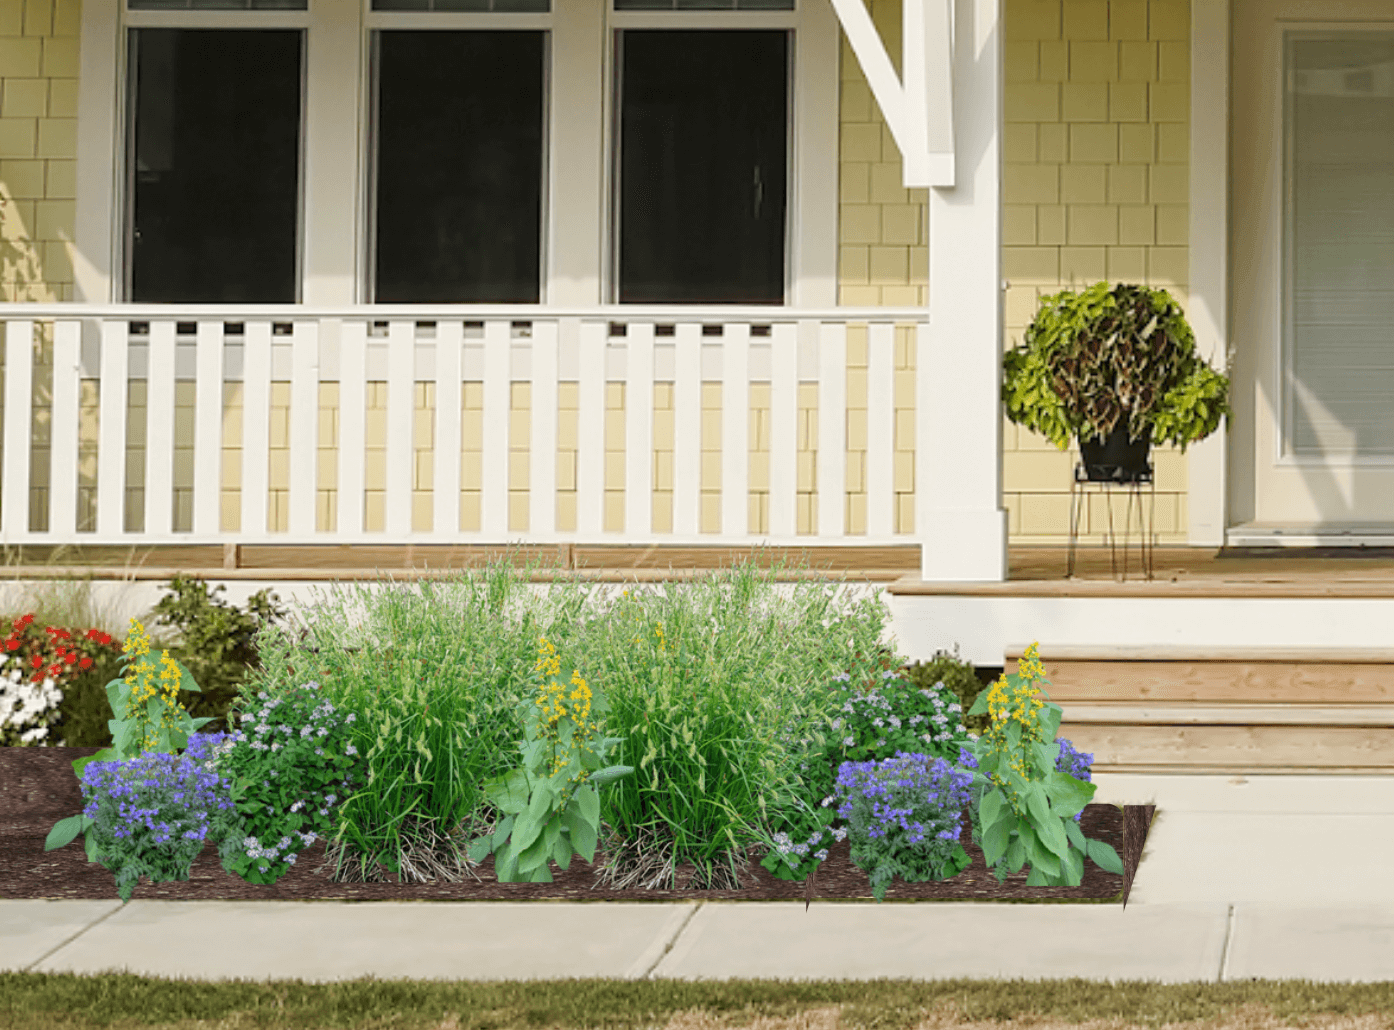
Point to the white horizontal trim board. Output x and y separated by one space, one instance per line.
354 347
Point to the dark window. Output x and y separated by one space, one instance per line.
459 167
215 165
703 144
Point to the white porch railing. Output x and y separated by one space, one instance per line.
405 345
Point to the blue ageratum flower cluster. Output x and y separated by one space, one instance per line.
153 813
904 816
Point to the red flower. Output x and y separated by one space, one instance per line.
54 670
61 651
71 659
105 639
37 661
93 634
12 645
86 663
27 619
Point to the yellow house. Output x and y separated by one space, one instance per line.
364 272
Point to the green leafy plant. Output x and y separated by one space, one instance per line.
215 641
551 805
883 717
1107 353
149 717
959 677
1025 802
288 763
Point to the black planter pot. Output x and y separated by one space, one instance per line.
1116 460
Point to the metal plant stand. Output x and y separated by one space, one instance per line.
1146 518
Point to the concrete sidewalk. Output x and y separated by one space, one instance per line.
1278 877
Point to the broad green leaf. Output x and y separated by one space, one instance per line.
995 840
509 792
561 851
506 866
542 874
526 830
583 832
114 691
1016 855
1037 878
1068 795
502 831
1076 836
1041 856
480 847
1072 866
991 807
1048 829
1046 755
587 802
186 679
65 831
536 854
610 773
1105 857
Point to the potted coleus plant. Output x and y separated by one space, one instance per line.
1116 367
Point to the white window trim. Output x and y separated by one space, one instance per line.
577 201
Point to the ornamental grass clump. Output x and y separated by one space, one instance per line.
433 672
152 814
904 817
717 689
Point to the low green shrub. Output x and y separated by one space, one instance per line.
958 676
215 641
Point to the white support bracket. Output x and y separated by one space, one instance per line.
919 110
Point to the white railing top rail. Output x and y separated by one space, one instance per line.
428 312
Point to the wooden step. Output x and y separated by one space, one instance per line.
1235 710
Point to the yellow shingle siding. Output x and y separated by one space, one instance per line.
1095 165
38 147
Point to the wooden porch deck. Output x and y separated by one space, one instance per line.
1032 570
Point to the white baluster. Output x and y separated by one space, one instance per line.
445 485
735 431
784 413
113 397
401 417
880 430
687 430
638 437
62 478
256 430
304 428
832 430
498 403
353 404
542 478
208 429
159 434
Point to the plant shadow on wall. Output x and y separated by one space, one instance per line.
21 266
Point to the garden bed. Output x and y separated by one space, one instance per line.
37 788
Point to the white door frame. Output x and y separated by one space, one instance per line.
1268 487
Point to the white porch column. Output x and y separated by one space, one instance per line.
1207 463
958 453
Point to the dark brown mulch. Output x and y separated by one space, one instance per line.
37 788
